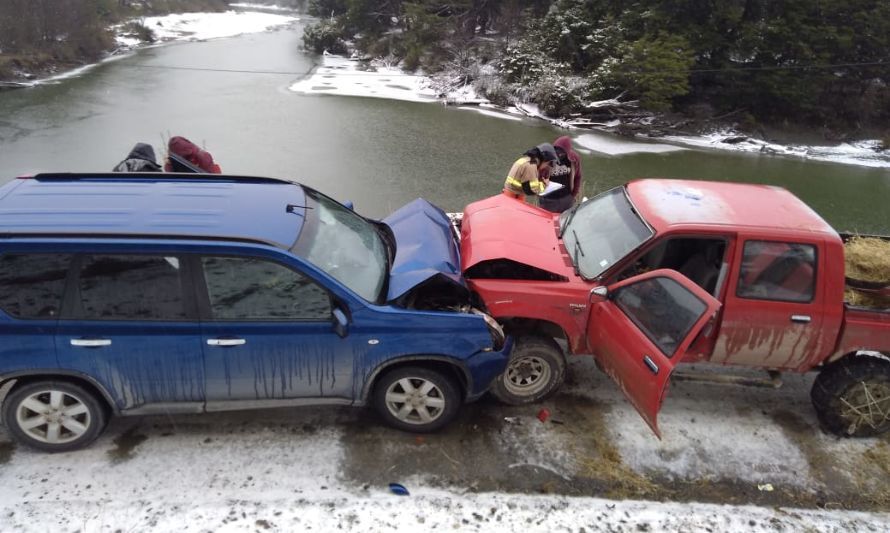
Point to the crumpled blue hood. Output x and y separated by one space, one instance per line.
425 247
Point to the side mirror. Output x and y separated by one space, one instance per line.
349 205
340 322
599 294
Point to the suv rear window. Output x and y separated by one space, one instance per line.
31 285
130 287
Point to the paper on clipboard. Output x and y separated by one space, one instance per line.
551 187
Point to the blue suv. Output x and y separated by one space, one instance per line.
156 293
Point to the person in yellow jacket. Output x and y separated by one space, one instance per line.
528 175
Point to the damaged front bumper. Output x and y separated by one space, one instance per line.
486 366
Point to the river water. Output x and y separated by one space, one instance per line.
378 153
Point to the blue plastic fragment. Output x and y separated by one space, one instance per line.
396 488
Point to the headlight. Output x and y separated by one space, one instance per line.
497 332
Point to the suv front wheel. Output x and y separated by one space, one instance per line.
53 416
417 399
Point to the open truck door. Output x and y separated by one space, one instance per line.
639 330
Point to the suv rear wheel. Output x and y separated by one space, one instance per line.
53 416
852 396
417 399
536 370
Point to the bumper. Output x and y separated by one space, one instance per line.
484 367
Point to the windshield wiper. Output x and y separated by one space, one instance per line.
576 249
569 218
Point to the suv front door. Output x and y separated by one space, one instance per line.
268 334
640 331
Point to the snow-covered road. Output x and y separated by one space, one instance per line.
755 456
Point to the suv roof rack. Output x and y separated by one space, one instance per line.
155 176
135 235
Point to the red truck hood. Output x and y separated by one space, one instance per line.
502 227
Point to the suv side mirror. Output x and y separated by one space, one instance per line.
340 322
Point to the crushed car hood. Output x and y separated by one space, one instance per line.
501 227
426 247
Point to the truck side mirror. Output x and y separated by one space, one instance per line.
599 294
340 322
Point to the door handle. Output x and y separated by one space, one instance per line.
651 364
226 342
91 343
802 319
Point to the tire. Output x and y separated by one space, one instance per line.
536 370
852 397
54 416
415 399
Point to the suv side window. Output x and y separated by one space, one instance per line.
777 271
130 287
246 288
31 285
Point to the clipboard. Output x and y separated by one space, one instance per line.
179 164
551 187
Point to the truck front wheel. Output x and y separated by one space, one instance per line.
536 369
852 396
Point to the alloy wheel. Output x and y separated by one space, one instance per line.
53 417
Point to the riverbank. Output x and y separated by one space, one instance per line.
342 76
167 29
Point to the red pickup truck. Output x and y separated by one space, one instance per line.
659 272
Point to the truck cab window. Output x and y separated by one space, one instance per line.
700 260
777 271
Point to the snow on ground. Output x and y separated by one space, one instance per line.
345 77
328 469
248 475
200 26
268 7
612 145
861 153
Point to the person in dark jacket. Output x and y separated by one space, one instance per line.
566 170
140 159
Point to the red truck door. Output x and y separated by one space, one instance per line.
641 329
774 308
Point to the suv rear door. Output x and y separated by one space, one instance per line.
129 321
641 330
31 288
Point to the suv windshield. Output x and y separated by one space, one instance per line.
343 244
601 231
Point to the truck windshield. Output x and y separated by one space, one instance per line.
601 231
344 245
